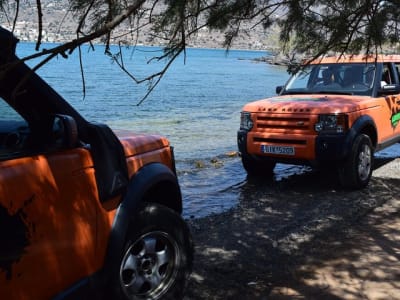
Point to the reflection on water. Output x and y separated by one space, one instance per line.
215 185
210 186
390 152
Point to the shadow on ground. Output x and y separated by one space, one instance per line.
302 237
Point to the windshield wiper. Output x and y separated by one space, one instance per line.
297 92
332 92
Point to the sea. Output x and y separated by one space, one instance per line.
196 105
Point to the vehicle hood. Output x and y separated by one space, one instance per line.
310 104
138 143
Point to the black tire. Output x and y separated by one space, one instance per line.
157 258
356 171
258 167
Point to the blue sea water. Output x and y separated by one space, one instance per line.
196 105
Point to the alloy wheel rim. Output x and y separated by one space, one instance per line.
364 164
149 266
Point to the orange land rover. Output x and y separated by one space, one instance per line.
85 212
334 112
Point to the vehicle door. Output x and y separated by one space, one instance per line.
395 100
389 117
48 210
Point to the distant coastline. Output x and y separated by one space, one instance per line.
59 26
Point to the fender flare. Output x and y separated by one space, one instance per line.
146 178
354 131
358 126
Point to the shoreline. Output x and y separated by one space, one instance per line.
302 238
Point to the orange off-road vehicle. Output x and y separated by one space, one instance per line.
335 112
85 212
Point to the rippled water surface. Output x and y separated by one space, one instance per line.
196 105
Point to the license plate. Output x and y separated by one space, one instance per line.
284 150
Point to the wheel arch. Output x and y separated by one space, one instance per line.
154 182
366 125
149 184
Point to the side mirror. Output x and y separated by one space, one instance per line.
279 89
65 131
389 89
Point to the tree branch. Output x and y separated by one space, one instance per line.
40 24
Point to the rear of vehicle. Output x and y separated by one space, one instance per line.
317 118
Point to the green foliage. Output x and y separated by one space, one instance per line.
310 27
315 27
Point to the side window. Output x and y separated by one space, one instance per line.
397 70
369 75
387 76
13 131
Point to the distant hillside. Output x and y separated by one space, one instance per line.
59 26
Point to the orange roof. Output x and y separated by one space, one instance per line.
357 58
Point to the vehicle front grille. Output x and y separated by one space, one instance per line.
283 123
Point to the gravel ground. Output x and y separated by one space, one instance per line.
303 238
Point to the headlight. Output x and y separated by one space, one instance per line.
331 123
246 123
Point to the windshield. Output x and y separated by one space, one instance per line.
346 78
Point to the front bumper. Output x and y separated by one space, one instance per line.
333 147
327 148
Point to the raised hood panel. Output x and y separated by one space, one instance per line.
308 104
135 143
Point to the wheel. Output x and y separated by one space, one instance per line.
356 171
258 167
158 256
